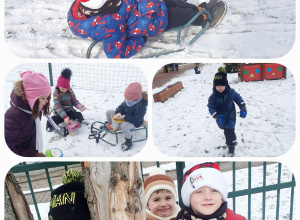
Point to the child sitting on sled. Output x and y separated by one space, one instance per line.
222 109
124 25
64 101
132 110
204 194
160 193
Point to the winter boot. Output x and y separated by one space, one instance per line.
127 145
231 151
208 6
217 12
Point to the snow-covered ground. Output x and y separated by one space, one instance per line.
241 183
80 145
189 130
250 29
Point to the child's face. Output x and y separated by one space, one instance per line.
63 90
206 200
161 203
220 88
43 100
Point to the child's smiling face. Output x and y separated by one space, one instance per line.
63 90
161 203
206 200
220 89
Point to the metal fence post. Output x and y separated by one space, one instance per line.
292 199
249 187
50 74
33 196
278 192
179 171
233 184
264 193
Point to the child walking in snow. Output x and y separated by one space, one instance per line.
222 109
124 25
204 194
29 101
132 110
64 101
161 196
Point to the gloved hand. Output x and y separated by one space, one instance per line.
243 113
117 116
80 107
221 119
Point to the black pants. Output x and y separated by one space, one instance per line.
72 114
180 12
230 138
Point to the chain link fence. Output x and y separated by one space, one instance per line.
107 77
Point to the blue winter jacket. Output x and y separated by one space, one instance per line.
223 104
122 32
134 114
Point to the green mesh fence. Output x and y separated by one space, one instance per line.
92 76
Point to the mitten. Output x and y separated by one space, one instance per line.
80 107
243 113
221 119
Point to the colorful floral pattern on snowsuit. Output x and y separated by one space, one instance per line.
64 102
122 32
223 104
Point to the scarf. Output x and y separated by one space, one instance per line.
151 216
130 104
187 213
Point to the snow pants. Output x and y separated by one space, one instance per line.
72 114
126 127
180 12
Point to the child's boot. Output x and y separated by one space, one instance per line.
208 6
127 145
231 151
217 12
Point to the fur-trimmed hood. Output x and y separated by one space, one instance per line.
17 96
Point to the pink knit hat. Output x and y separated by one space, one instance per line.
35 85
133 91
64 79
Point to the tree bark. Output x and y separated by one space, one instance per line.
16 206
114 190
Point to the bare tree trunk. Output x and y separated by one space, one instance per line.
114 190
16 206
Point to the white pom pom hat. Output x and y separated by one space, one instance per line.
158 180
204 174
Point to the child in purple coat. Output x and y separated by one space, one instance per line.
29 100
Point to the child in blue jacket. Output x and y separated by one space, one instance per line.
132 110
124 25
222 109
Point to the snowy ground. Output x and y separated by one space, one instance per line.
241 202
80 145
268 130
250 29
